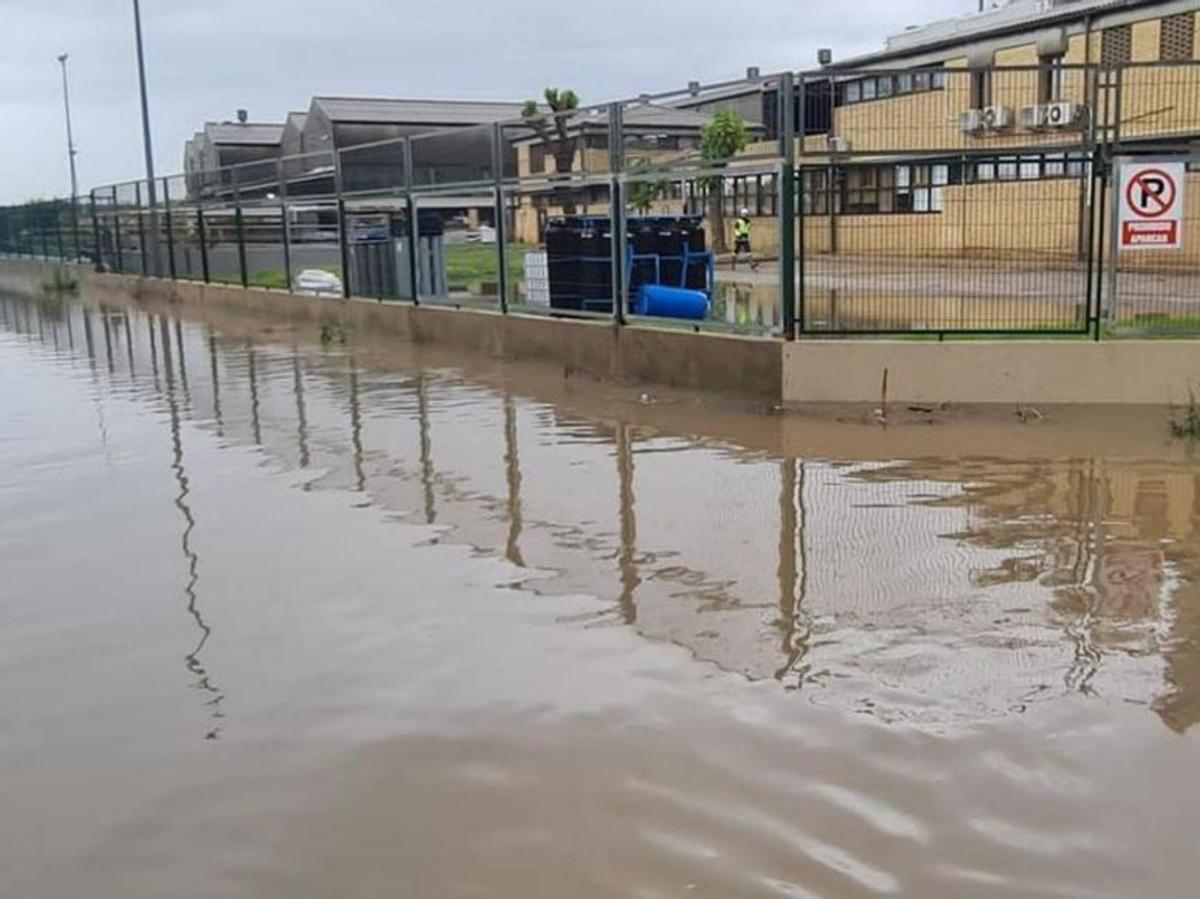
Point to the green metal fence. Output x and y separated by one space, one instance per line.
878 205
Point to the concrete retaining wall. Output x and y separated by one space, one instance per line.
600 349
1156 372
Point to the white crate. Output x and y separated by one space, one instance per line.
537 279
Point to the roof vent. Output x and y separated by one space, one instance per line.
753 73
243 117
694 88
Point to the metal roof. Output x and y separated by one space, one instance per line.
1013 17
384 110
729 92
257 133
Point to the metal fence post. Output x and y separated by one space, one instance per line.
787 204
414 228
117 236
500 224
343 237
616 165
285 226
141 222
239 228
166 183
98 253
200 230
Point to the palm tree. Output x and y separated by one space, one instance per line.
555 134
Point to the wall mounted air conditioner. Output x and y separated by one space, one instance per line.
1032 118
840 145
1062 115
997 118
971 121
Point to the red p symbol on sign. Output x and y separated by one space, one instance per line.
1151 194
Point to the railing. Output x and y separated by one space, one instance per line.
924 201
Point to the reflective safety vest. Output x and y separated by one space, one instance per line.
741 228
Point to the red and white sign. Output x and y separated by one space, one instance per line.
1151 202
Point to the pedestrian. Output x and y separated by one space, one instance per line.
741 239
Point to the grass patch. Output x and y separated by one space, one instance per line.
472 263
1185 423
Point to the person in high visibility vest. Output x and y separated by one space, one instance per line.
741 239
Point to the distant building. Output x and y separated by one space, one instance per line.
210 152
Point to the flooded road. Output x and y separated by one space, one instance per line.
285 619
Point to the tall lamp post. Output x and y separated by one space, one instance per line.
151 194
62 61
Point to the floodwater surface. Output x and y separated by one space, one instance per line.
283 619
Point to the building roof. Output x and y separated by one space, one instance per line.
728 92
650 115
256 133
1015 16
394 111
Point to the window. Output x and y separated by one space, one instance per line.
1050 79
1177 40
981 88
537 158
1031 167
882 87
1116 45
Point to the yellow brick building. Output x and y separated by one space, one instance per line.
974 136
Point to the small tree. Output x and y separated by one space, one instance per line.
722 139
642 194
554 130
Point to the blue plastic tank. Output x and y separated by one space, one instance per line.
671 302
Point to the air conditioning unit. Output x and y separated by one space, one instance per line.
1032 118
971 121
1062 115
997 118
840 145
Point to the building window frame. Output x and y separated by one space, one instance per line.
1050 79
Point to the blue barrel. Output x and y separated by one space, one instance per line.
671 302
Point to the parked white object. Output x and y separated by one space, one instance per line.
318 282
537 279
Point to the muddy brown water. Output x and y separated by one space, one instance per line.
281 618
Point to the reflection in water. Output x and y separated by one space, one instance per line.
301 420
512 470
356 441
216 383
252 380
989 584
193 661
426 449
628 552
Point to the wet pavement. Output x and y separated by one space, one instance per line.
283 617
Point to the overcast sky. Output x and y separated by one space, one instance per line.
207 58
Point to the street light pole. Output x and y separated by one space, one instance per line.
62 61
151 194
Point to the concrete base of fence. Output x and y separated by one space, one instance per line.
1007 372
597 349
1043 372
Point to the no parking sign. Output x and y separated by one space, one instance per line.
1151 201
